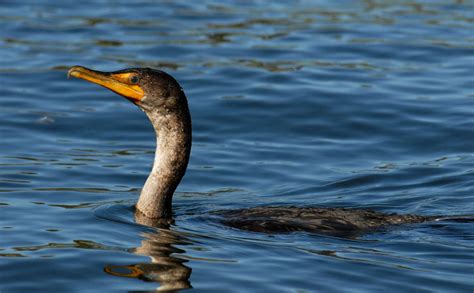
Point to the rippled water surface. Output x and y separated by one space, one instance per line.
365 104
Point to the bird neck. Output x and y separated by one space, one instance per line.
173 146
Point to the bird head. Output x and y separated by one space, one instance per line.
149 89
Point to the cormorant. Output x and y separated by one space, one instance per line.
163 100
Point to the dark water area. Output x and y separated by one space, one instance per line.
361 104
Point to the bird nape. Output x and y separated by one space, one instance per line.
162 99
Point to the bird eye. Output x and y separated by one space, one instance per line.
134 79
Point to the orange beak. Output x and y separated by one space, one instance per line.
119 83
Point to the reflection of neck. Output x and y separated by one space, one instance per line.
173 145
167 269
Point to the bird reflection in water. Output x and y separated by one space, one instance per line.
166 267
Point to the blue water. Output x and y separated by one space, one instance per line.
364 104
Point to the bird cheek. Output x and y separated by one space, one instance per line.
171 102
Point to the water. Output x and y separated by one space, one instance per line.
313 103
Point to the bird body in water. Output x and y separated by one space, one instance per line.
162 99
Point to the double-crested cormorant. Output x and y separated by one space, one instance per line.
162 99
